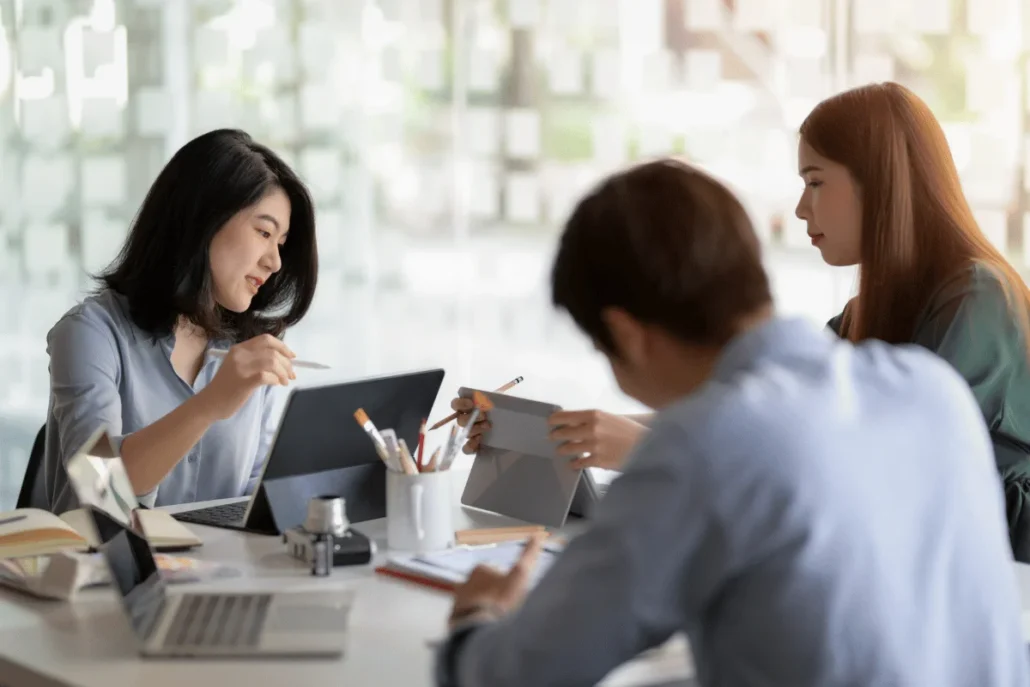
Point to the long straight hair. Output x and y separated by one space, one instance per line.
917 227
163 268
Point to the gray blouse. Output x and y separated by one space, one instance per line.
106 370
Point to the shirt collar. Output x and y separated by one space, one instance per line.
765 340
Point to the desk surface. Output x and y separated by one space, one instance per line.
392 627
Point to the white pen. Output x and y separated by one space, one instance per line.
459 441
221 353
393 449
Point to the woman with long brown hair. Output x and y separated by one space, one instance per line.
882 191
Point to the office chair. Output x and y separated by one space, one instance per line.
32 485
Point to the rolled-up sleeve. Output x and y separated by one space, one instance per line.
85 373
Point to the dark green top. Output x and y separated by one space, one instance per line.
969 323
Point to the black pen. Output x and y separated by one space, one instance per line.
16 518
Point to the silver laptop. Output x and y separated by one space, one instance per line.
281 624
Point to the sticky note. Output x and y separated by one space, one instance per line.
803 13
483 130
103 180
319 107
213 110
658 69
430 70
924 16
756 15
45 121
321 168
873 16
704 15
986 16
317 47
101 238
153 111
483 70
522 133
523 14
210 46
97 50
702 69
873 68
989 83
806 78
606 74
569 14
522 197
46 182
654 141
609 139
484 192
565 72
46 246
330 229
102 118
39 47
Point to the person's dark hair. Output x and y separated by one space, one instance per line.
668 244
163 269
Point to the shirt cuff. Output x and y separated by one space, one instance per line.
149 499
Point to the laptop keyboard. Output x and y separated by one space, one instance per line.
224 515
218 620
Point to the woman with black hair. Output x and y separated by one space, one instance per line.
221 255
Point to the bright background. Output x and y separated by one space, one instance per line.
444 141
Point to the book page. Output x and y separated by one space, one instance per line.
32 531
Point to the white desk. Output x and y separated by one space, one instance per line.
89 643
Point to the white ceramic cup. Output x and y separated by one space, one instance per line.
419 512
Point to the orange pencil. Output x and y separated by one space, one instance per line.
454 416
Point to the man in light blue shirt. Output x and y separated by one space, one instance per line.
807 511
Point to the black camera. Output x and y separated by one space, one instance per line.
325 540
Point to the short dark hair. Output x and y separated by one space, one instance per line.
668 244
164 269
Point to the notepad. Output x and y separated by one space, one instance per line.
446 570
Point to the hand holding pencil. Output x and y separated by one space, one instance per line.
467 407
464 408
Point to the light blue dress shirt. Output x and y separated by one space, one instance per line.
106 370
817 514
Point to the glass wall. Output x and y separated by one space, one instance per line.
444 142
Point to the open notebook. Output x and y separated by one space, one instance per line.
35 532
447 569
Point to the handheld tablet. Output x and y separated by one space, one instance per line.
517 471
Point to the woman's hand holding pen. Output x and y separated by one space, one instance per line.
262 360
595 439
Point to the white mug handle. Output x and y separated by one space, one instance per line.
416 510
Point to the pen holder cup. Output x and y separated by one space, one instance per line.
419 511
